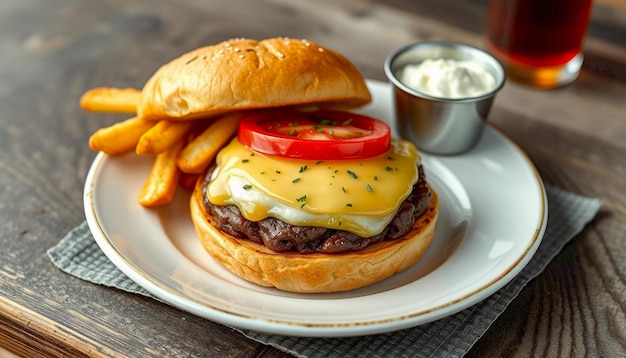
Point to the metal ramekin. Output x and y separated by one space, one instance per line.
441 125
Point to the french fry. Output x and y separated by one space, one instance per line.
162 136
110 99
160 186
120 137
197 155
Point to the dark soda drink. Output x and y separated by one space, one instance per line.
536 33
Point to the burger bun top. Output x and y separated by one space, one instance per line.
242 74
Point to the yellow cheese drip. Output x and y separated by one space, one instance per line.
335 190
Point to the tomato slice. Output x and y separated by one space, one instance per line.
320 135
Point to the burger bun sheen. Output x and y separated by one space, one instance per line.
242 74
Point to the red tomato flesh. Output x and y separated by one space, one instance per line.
320 135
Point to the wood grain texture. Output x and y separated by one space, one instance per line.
51 52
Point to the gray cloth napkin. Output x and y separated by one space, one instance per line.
79 255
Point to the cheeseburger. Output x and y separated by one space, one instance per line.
306 197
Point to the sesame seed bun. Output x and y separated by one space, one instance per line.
243 74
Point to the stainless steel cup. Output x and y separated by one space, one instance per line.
441 125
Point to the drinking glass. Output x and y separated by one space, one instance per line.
539 42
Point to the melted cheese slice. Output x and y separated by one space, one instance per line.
360 196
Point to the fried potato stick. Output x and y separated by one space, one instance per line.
160 186
111 100
120 137
199 153
162 136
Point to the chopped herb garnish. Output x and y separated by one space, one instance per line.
349 205
292 132
389 169
301 200
391 158
375 177
295 180
245 160
263 172
291 124
247 186
303 168
369 188
347 121
352 174
278 172
319 162
343 189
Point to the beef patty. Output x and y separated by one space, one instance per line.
280 236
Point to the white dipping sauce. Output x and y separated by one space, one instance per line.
448 78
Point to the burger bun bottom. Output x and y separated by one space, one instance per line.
313 272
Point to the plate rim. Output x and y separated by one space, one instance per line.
285 327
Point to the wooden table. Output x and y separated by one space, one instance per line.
52 51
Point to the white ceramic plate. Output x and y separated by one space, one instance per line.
492 218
